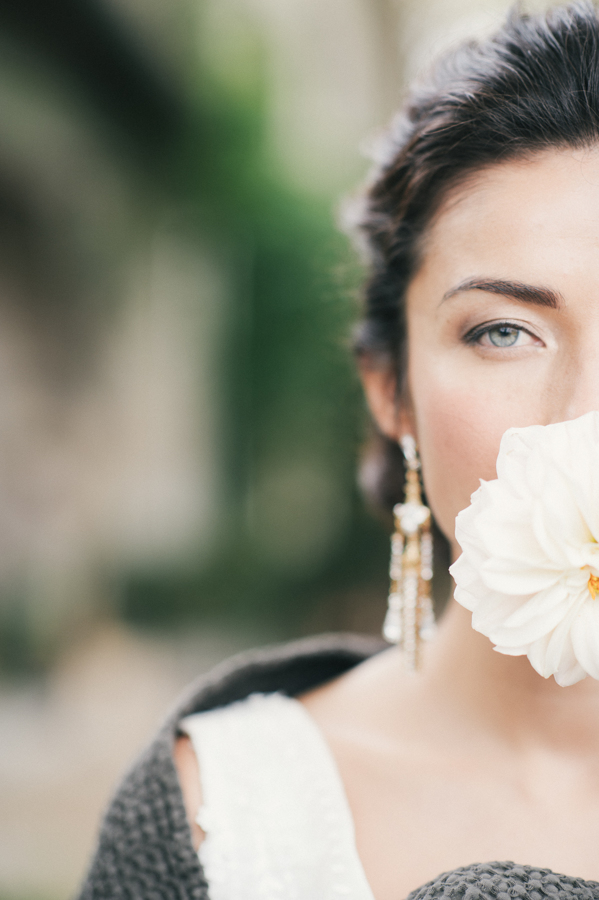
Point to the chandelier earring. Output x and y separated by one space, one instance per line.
410 617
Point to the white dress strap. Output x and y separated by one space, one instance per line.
276 818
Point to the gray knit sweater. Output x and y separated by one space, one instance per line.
145 851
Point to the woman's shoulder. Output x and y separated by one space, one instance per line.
291 668
145 836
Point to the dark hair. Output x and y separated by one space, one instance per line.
532 86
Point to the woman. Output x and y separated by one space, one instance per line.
482 313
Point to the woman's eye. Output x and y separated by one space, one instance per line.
504 335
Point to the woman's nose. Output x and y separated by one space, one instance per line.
577 389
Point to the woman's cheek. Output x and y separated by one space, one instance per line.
458 435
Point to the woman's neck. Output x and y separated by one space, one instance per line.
504 695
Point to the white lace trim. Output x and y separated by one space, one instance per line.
276 818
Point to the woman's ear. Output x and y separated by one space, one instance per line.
390 412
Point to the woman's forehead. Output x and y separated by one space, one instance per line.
524 219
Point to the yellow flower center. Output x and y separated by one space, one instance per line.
593 585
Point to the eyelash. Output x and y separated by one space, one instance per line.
474 335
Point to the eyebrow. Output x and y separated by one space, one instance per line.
525 293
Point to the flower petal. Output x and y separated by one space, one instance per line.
530 542
560 655
543 603
585 636
511 576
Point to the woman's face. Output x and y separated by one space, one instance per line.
503 320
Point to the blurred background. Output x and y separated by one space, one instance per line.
180 422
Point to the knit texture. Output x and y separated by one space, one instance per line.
505 881
145 850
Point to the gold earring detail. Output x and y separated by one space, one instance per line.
410 617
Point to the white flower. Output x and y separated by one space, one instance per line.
529 571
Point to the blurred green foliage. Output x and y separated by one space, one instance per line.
291 401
